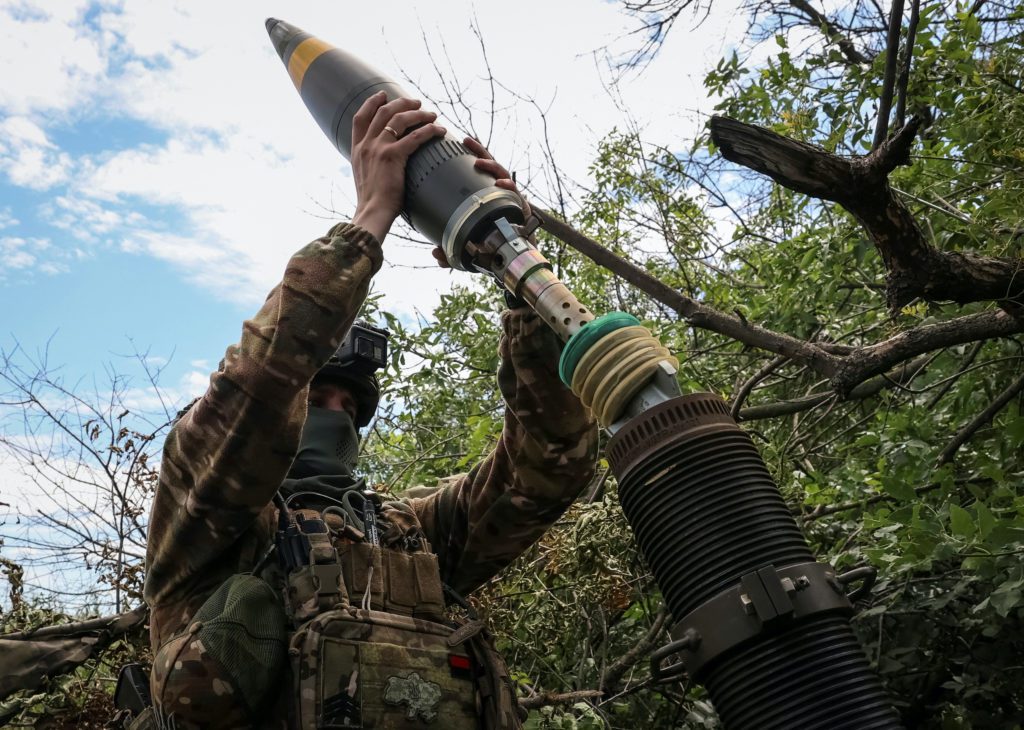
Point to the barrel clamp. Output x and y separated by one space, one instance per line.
763 600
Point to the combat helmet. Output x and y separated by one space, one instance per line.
362 353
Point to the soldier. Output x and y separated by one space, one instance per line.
282 592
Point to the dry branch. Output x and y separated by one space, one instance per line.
845 372
915 268
845 44
748 386
892 51
616 670
903 374
542 699
696 313
876 359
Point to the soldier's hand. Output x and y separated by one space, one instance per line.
502 179
380 150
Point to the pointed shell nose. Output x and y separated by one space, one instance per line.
284 36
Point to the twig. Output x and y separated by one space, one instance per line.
908 56
964 366
866 389
964 434
596 486
744 391
892 49
845 44
615 671
831 509
542 699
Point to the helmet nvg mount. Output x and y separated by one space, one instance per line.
362 353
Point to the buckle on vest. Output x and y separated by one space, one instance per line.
327 577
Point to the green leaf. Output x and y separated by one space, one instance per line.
986 520
961 522
899 489
1005 601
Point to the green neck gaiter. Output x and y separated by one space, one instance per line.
323 471
329 445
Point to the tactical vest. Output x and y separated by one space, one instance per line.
362 636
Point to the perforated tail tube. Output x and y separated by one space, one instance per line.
706 513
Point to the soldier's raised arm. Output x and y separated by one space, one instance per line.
545 457
227 455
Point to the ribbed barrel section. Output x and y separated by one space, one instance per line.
813 675
706 511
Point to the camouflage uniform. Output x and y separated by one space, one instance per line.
212 517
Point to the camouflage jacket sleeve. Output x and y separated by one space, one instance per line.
225 458
545 457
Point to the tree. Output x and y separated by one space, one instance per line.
74 535
87 457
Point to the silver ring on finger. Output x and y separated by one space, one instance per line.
389 128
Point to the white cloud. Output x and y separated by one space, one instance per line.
18 254
50 64
86 219
28 157
7 219
194 383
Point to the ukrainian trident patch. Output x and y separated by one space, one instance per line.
421 696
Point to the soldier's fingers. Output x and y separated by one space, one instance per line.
477 149
507 184
441 259
362 118
410 142
406 120
492 168
387 111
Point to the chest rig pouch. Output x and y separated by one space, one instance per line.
372 647
361 639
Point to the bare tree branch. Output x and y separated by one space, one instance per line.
616 670
908 57
876 359
543 699
847 47
892 52
744 390
696 313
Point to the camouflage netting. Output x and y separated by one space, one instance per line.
33 659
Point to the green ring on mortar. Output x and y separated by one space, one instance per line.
588 334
